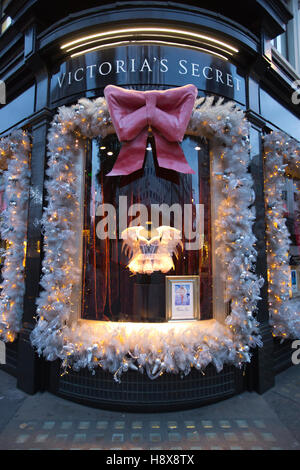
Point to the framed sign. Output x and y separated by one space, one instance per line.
182 298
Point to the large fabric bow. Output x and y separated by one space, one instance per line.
162 114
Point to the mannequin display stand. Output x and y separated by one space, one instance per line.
149 291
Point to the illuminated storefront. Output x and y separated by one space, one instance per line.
149 278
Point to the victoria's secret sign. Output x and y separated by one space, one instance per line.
147 65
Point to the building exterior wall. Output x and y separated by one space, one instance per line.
31 59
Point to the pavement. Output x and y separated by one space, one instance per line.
245 422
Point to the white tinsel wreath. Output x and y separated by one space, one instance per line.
154 348
14 164
280 151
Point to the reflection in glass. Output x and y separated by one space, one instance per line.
3 243
110 291
291 200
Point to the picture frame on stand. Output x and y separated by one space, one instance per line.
182 298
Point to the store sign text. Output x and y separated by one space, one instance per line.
184 67
148 66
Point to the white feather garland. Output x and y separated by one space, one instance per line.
14 162
280 151
155 349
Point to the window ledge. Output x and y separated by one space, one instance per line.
284 64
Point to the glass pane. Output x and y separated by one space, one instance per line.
17 110
292 214
2 242
118 287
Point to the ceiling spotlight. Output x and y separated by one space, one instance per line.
197 147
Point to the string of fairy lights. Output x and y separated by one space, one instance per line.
151 348
281 155
15 178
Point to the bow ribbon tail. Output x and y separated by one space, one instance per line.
131 156
170 155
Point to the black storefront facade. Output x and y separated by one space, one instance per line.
54 58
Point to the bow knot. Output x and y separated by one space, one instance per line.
164 114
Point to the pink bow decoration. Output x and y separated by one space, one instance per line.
136 114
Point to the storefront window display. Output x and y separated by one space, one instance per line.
114 287
292 214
